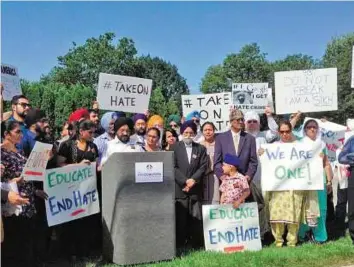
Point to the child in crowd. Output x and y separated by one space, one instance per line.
234 188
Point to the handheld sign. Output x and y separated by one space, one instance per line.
332 134
36 164
72 193
251 96
11 81
212 107
123 93
306 90
292 166
231 230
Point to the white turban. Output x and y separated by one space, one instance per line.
251 115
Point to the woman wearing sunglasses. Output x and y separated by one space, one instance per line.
285 207
316 215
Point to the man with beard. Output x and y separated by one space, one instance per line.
96 121
123 128
140 129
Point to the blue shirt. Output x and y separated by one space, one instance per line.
28 141
347 155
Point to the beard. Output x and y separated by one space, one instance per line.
141 131
124 138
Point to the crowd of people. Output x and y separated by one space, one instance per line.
210 168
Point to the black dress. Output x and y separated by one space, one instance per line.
79 237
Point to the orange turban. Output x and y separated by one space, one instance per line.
155 120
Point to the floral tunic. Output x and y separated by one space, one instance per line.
14 163
233 187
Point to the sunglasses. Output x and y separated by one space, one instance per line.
173 125
240 120
252 121
196 121
311 127
285 132
24 105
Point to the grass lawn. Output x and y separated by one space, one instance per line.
335 253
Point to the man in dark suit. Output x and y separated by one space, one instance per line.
191 162
239 143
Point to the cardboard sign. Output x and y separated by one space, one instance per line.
148 172
306 90
123 93
36 164
231 230
214 108
72 193
332 134
292 166
251 96
11 81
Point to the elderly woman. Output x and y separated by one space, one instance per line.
317 222
211 194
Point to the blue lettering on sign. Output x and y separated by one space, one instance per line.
238 235
77 200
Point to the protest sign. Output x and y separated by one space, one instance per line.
212 107
306 90
251 96
353 67
36 164
72 193
231 230
292 166
123 93
332 134
11 81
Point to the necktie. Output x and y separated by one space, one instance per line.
236 142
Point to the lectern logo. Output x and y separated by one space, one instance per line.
149 167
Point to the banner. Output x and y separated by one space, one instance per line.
332 134
306 90
123 93
36 164
72 193
214 108
231 230
251 96
11 81
292 166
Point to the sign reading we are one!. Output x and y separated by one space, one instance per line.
72 193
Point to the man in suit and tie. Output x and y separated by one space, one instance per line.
191 162
236 142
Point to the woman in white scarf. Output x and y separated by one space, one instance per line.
316 206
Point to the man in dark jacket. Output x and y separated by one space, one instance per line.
191 162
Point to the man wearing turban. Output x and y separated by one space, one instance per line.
195 117
140 129
123 127
191 163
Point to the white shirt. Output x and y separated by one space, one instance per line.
189 151
116 145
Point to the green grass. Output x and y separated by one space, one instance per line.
335 253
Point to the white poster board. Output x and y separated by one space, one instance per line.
251 96
11 81
148 172
36 164
306 90
291 166
353 67
123 93
333 135
72 193
214 108
231 230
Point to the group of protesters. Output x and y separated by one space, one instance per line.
210 168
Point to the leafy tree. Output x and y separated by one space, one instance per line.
215 80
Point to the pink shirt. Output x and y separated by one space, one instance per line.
233 187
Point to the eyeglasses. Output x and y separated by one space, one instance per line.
285 132
173 125
252 121
240 120
24 105
312 127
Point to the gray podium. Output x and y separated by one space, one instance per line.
138 218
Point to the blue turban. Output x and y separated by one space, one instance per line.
189 124
108 116
137 117
232 160
193 114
